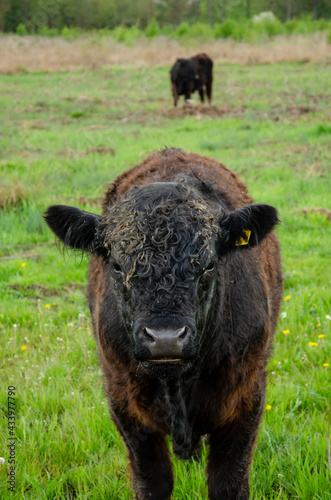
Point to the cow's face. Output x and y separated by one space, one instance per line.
163 267
163 247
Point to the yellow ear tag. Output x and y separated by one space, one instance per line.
243 241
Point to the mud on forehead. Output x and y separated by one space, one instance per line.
159 223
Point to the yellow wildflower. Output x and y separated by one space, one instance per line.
268 407
47 305
286 332
321 336
312 343
23 347
326 364
287 297
23 264
318 325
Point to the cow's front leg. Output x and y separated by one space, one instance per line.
174 93
188 97
209 85
152 476
201 94
230 454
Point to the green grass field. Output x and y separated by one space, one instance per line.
63 137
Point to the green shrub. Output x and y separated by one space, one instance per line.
298 26
305 25
236 30
46 31
267 24
104 32
226 29
167 30
71 33
21 30
152 29
119 33
183 29
200 30
321 24
291 26
128 36
273 28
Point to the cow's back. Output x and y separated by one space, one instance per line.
167 164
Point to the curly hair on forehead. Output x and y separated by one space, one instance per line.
162 232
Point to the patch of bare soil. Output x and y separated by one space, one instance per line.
97 150
89 100
203 111
38 291
293 111
12 196
37 125
323 211
211 111
28 255
84 200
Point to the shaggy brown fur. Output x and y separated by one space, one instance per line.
166 256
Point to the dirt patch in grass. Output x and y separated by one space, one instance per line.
37 125
23 256
38 291
323 211
291 112
199 111
296 111
93 100
84 200
12 196
97 150
203 110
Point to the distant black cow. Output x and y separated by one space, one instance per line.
184 291
189 75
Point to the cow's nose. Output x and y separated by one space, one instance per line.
164 344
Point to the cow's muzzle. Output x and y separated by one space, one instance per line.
164 345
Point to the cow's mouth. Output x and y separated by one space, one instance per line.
165 360
166 367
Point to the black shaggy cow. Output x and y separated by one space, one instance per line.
189 75
184 290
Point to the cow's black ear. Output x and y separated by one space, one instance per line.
76 228
247 226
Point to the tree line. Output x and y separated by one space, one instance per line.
99 14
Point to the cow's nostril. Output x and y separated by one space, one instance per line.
149 335
183 333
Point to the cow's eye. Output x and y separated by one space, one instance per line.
208 271
117 268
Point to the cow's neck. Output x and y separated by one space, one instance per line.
181 427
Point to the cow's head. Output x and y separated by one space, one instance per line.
164 248
187 75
